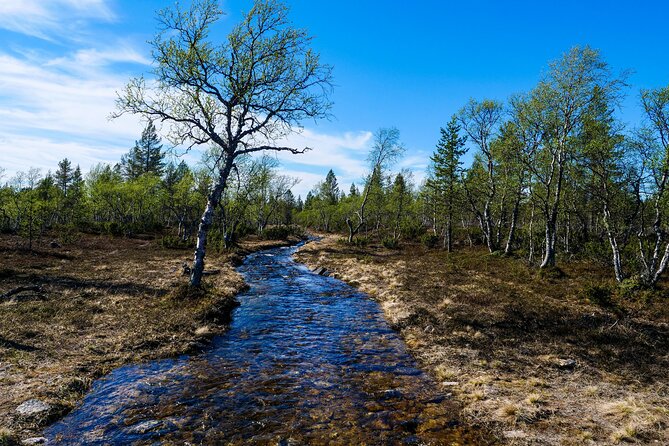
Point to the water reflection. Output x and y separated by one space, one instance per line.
307 360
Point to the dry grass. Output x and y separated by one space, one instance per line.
104 302
534 361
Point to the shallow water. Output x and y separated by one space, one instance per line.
307 360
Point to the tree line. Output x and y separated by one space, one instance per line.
555 175
144 194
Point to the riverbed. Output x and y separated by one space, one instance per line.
308 359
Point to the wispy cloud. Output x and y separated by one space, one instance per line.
37 96
47 19
345 153
55 99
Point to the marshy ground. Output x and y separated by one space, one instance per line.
533 359
92 305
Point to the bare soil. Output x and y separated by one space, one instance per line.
529 357
85 308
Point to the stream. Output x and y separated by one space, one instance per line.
308 359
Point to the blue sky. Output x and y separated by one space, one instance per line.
397 63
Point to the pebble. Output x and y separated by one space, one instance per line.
33 408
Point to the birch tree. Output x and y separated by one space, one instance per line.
557 107
480 121
654 140
240 95
385 151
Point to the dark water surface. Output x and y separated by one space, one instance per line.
307 360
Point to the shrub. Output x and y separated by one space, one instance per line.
282 232
551 273
598 294
174 242
360 242
67 234
430 240
391 243
628 287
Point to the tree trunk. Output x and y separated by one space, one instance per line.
449 233
530 257
512 228
205 223
549 255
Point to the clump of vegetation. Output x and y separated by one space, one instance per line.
174 242
430 240
282 232
8 438
390 243
552 273
598 294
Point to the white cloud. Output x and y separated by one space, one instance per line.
344 153
35 98
19 153
46 19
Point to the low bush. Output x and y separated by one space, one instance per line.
430 240
174 242
282 232
390 243
598 294
551 273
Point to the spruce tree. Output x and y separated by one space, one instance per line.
329 190
64 175
146 156
446 168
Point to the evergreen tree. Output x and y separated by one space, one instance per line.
146 157
446 172
64 175
353 192
329 189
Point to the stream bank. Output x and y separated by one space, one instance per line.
528 358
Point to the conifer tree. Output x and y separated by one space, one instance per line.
146 157
64 175
446 172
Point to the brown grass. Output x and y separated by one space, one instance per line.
105 302
504 333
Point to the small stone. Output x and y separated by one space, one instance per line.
54 244
35 440
566 363
514 434
392 393
144 427
449 383
320 271
33 408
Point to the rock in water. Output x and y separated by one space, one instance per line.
320 271
145 426
35 440
33 408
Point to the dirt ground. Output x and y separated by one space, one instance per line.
92 305
528 357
